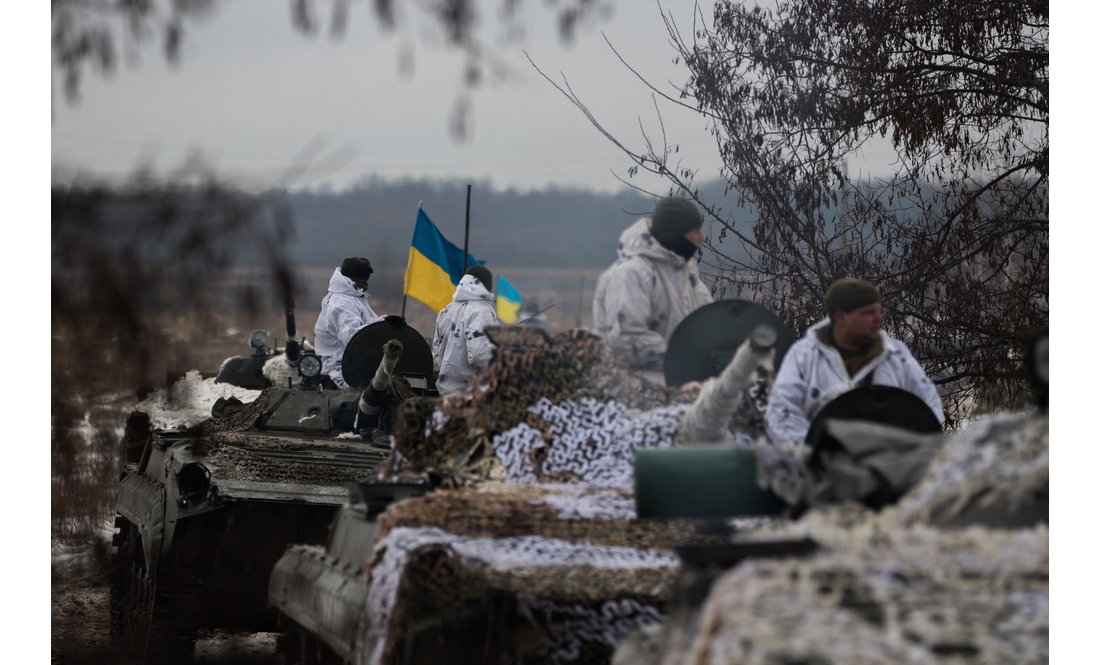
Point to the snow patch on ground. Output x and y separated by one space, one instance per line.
188 401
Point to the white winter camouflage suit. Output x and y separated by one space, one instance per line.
643 296
460 344
813 374
344 311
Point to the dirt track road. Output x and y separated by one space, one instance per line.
80 625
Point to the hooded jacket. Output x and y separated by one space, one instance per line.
643 296
812 374
344 311
460 344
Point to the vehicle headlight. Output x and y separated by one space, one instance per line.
259 339
193 478
309 365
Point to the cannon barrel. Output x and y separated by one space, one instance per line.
705 421
370 402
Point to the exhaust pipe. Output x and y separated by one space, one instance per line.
370 402
293 347
705 421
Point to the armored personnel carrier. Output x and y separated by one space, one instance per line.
204 512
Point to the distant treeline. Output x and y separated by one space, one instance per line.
552 228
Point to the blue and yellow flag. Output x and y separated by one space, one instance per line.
435 265
508 301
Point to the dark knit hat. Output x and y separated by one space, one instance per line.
358 270
483 274
850 293
673 218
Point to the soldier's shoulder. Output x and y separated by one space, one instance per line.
632 266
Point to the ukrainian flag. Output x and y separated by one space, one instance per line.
508 300
435 265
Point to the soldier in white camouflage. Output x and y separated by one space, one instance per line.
653 286
846 350
460 345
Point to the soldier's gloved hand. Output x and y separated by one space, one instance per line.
692 387
395 321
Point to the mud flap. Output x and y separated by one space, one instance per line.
141 501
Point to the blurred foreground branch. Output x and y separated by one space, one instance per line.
138 278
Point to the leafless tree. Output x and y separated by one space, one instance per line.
954 234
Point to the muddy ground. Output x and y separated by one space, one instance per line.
80 620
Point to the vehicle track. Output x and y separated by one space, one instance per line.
80 631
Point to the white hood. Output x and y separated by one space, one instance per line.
643 296
343 285
470 288
344 311
636 240
460 344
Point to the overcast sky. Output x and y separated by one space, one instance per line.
252 95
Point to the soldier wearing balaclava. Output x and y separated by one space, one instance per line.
653 285
344 311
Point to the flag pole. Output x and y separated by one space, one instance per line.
405 296
580 302
466 240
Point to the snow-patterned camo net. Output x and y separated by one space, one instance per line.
1002 460
585 502
593 441
538 552
570 626
879 593
570 391
503 554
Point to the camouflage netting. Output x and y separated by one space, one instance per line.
897 586
567 411
878 592
237 421
541 535
247 416
568 566
1000 464
574 601
241 456
574 513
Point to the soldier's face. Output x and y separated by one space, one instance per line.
695 237
860 326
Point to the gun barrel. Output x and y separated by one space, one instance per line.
705 421
370 402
